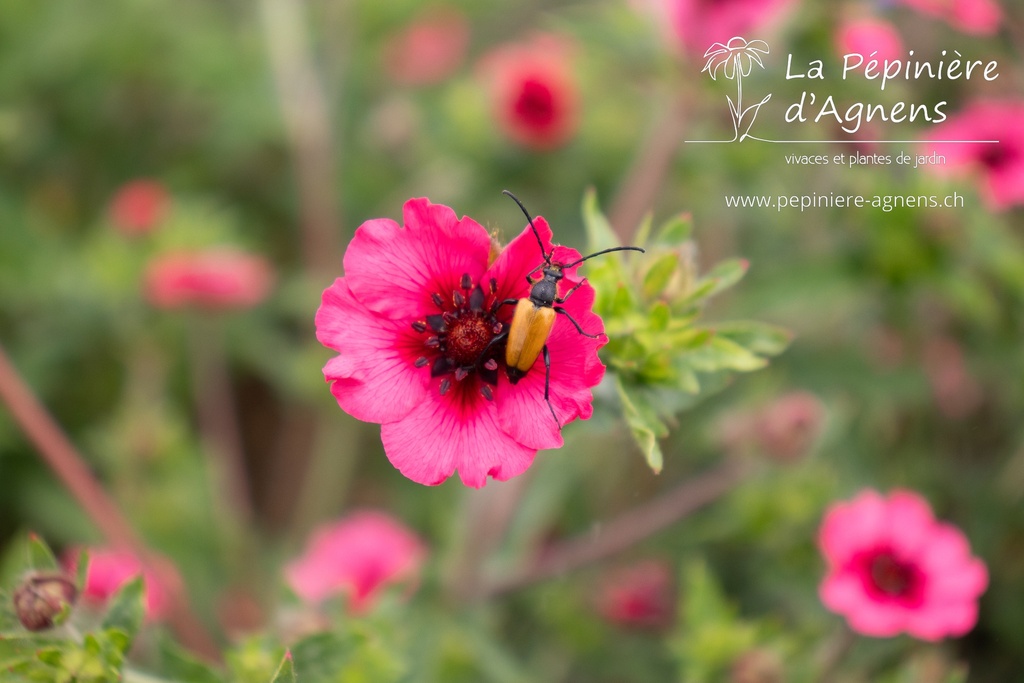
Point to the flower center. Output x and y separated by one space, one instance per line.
995 157
889 578
463 338
536 103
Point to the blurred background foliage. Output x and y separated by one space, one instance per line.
278 126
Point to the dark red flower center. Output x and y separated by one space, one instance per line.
536 103
465 337
889 577
995 157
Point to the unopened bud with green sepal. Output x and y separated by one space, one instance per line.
663 354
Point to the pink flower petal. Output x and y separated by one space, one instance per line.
848 527
917 524
373 353
394 270
457 431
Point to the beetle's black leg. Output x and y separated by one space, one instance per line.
579 329
506 302
561 300
547 382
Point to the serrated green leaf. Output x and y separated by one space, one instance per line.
644 426
675 231
659 274
127 609
285 671
40 557
599 231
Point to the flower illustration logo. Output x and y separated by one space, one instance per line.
736 60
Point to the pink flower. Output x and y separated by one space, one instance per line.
871 38
418 329
700 23
893 568
641 595
981 17
1001 164
139 206
533 92
110 569
787 428
357 556
429 49
217 278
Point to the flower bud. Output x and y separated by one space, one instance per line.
41 597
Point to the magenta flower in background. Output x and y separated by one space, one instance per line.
221 278
110 569
640 595
700 23
980 17
533 92
1001 165
358 556
415 326
139 206
429 49
892 568
870 37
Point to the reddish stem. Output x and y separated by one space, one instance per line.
69 466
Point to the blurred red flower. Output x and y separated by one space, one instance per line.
220 278
700 23
110 569
357 556
533 91
893 568
640 595
429 48
981 17
1000 164
416 323
870 37
139 206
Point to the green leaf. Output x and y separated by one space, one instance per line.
644 425
676 231
722 354
659 275
643 233
661 315
599 231
761 338
40 557
286 671
126 609
178 664
726 274
321 657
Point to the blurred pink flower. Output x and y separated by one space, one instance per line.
786 428
139 206
893 568
957 393
981 17
533 91
700 23
429 48
872 38
110 569
415 322
641 595
1001 164
357 556
220 278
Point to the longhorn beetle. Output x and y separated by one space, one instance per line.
534 317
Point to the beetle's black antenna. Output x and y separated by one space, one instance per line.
603 251
526 213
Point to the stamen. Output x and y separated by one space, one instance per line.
438 301
460 300
486 391
432 342
491 364
460 374
421 361
419 326
466 282
476 300
445 385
